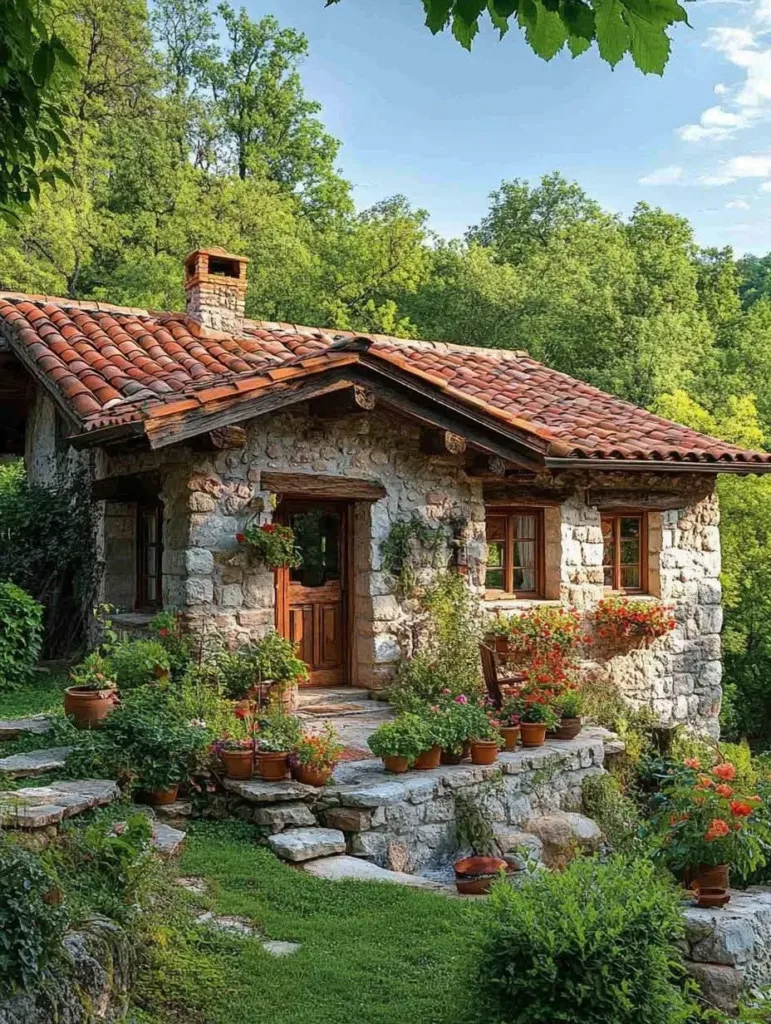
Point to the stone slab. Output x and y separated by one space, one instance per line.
13 728
167 841
277 816
738 935
39 806
36 762
228 923
257 792
179 809
299 844
343 867
277 948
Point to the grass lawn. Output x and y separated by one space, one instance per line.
42 693
370 953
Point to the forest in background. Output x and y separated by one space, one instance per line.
190 126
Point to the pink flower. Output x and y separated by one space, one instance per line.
461 699
119 828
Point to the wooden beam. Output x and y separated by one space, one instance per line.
660 501
441 442
343 402
487 466
313 485
220 439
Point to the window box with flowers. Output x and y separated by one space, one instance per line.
621 624
274 544
705 827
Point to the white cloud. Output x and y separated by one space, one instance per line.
715 179
766 186
755 165
672 175
737 204
721 90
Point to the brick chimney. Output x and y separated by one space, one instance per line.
215 289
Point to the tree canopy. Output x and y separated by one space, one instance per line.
638 28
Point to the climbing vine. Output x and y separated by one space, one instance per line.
412 544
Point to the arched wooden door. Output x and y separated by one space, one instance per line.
312 600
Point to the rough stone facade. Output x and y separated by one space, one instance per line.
208 498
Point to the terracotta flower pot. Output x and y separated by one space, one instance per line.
533 734
159 797
474 876
510 735
568 728
484 751
88 708
311 776
239 764
396 764
710 898
273 765
449 758
428 759
705 877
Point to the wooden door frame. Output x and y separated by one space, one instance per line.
281 576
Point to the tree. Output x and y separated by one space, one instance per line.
33 61
619 27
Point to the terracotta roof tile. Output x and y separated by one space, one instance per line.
117 365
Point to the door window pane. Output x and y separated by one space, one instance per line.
317 534
623 555
494 577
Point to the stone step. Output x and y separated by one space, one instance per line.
343 867
167 841
255 791
299 844
39 806
13 728
310 695
277 817
35 762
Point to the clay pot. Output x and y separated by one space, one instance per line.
428 759
533 734
484 751
568 728
88 708
396 764
474 876
705 877
273 765
311 776
510 735
239 764
449 758
159 797
712 897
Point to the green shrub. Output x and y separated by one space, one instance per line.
31 928
21 632
616 814
406 736
594 944
138 663
272 657
167 629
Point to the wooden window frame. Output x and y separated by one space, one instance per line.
142 601
510 512
615 517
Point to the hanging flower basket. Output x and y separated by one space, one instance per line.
274 545
623 625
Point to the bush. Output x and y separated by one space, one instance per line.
273 657
31 928
21 631
138 663
616 814
592 945
167 629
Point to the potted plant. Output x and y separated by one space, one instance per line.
497 632
314 756
509 729
569 706
265 671
705 827
400 742
486 739
457 724
273 544
622 624
136 663
537 716
236 754
93 693
277 737
430 756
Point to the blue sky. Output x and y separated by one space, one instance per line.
420 116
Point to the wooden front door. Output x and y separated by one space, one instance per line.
312 599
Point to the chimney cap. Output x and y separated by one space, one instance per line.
214 250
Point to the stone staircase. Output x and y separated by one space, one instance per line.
40 807
36 762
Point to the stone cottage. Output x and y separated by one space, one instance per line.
538 488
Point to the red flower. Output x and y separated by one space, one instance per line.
705 782
241 713
268 528
163 632
717 829
740 809
692 762
725 771
240 537
724 790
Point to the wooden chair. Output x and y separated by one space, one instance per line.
495 684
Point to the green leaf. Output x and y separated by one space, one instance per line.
464 31
548 35
649 45
579 19
611 32
498 20
437 14
504 8
578 45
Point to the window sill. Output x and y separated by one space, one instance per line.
625 595
509 603
132 618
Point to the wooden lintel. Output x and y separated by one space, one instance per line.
220 439
487 467
660 501
441 442
343 402
313 485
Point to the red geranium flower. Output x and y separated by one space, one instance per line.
724 790
717 829
725 771
240 538
692 762
741 809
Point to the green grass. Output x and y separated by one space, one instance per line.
43 693
370 953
